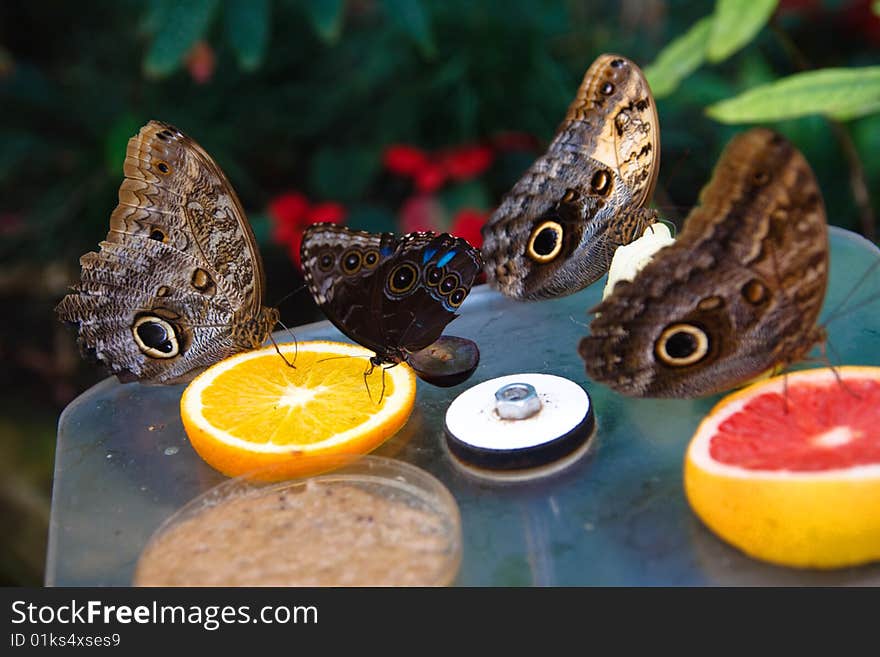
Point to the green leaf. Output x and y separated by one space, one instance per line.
372 218
876 7
735 23
326 18
18 147
121 130
470 195
411 18
261 226
178 26
247 26
679 59
342 174
842 93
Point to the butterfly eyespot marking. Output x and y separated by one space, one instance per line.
371 258
434 276
351 261
601 182
163 291
616 63
682 344
402 278
761 177
545 242
163 167
607 89
325 262
158 235
449 283
456 298
755 292
155 337
710 303
570 196
201 280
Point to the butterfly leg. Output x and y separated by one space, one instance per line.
384 369
368 372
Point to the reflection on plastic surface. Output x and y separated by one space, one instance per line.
617 517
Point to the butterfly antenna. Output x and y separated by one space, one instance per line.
785 406
290 294
676 167
840 310
833 369
295 341
286 362
673 229
322 360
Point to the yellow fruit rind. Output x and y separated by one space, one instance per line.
800 522
804 524
296 461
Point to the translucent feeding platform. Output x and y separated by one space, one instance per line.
617 516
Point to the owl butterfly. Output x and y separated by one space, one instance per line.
395 295
736 295
178 283
556 231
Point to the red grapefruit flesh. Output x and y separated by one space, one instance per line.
788 469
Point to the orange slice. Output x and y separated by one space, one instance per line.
788 469
252 412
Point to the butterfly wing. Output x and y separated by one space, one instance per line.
340 265
422 286
555 232
737 294
391 295
177 285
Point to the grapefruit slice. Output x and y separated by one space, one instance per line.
788 469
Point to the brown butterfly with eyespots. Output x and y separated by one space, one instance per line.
178 283
737 294
555 232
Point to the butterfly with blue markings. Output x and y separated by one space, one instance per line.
395 295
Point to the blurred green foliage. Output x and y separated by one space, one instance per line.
308 94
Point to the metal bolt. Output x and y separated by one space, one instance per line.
517 401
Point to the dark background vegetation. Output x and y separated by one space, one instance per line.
305 99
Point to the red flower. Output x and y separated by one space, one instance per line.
404 160
330 212
515 141
287 212
860 18
293 248
291 212
421 213
430 177
200 62
468 224
467 162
